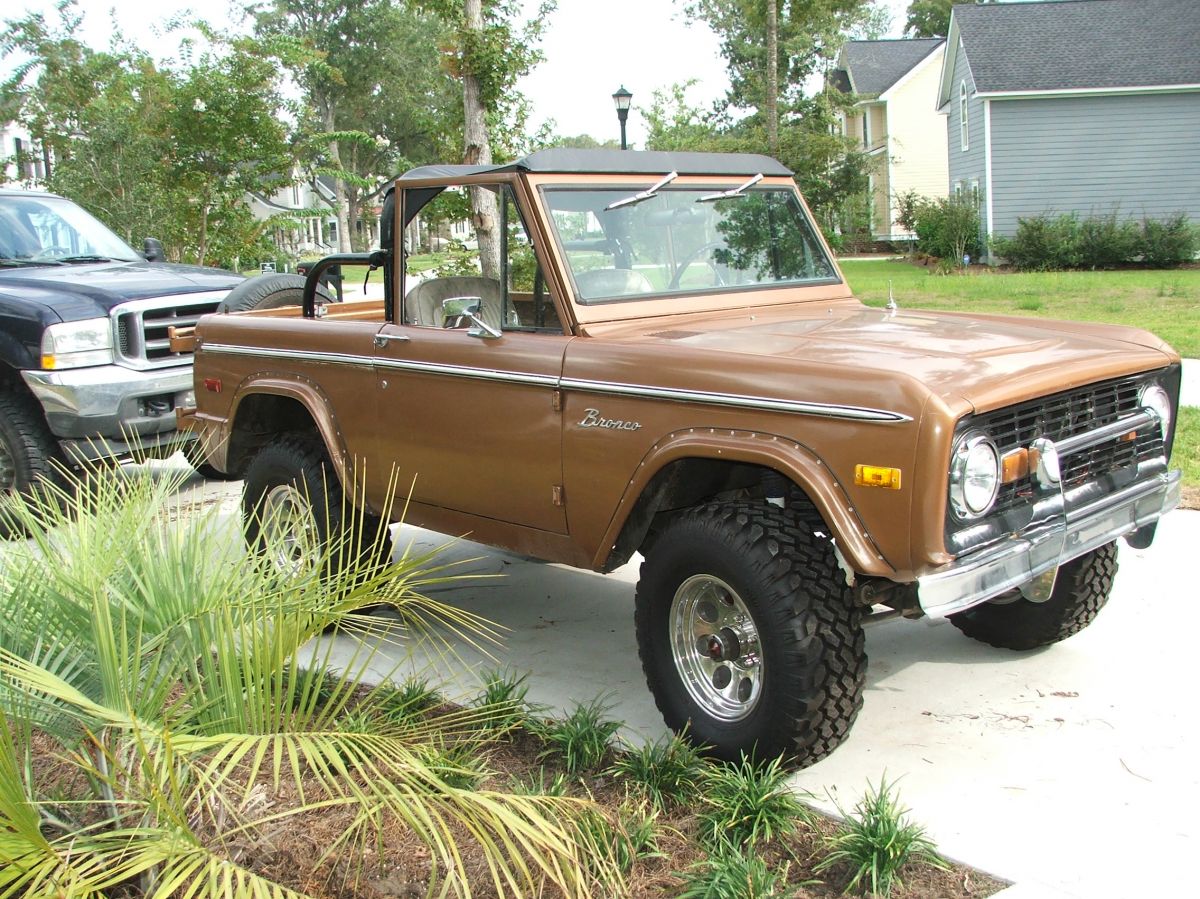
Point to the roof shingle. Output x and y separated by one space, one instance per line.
1072 44
874 66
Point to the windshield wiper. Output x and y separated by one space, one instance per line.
21 263
733 193
85 258
647 194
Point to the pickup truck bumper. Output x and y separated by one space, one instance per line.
109 410
1061 532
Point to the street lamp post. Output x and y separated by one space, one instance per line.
621 100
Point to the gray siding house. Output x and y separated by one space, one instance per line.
1086 106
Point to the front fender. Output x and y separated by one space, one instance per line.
793 460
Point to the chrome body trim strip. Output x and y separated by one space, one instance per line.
824 410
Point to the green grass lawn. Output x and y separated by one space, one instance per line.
1186 454
1165 301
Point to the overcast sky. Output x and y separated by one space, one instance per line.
592 47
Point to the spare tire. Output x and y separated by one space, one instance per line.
269 292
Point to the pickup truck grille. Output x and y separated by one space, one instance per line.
141 328
1063 415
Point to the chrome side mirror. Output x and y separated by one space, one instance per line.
455 309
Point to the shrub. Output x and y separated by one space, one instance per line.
947 228
1045 243
1169 243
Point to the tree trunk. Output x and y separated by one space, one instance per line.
772 98
478 151
341 202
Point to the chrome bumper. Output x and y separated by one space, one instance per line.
1063 527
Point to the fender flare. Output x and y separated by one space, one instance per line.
793 460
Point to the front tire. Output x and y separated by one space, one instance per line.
1080 592
30 458
748 635
296 514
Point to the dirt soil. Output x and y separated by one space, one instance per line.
1191 498
400 866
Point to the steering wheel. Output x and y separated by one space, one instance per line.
694 256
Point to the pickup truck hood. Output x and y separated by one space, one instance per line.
88 290
986 360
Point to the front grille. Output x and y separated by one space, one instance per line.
142 328
1063 415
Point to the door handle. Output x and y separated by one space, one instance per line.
381 340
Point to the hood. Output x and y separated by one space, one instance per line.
987 360
85 291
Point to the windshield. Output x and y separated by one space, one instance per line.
684 241
47 230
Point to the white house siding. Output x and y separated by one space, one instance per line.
917 137
1136 155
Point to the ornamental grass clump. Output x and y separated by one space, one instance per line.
746 803
876 841
179 679
666 772
581 739
730 873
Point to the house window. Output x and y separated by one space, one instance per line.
963 132
867 128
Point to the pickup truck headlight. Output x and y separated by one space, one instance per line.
974 475
77 344
1155 398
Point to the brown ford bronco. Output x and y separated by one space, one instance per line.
659 355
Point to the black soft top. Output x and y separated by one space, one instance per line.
567 160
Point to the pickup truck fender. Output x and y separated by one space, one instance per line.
794 461
16 355
237 441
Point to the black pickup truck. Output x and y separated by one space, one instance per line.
86 365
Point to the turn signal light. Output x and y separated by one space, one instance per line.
1014 466
877 476
213 385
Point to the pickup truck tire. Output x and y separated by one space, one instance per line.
29 454
1079 593
294 508
783 673
268 292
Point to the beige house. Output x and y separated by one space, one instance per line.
896 120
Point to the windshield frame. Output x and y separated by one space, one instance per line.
737 294
93 237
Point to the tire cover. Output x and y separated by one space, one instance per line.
269 292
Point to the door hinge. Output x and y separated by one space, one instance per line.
556 401
557 496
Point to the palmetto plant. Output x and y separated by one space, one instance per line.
182 679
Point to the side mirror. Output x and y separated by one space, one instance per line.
152 249
455 309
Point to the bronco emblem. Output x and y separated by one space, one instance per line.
593 419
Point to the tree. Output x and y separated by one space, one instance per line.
928 18
488 52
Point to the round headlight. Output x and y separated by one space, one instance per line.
1154 398
974 475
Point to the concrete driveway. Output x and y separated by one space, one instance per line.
1070 771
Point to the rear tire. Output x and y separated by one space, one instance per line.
295 512
30 456
1080 592
269 292
784 671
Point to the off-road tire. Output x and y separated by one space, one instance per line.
300 462
29 455
269 292
1080 592
810 633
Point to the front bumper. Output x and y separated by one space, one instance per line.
1064 526
111 410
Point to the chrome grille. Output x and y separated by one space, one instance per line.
1063 415
142 327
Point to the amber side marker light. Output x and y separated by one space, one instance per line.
1014 466
877 476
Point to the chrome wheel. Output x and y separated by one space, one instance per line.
289 530
715 646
